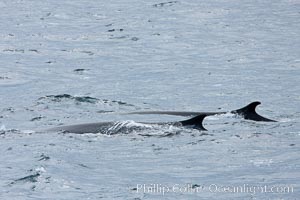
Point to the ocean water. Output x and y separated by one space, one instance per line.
80 61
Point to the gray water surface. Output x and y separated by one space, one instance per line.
81 61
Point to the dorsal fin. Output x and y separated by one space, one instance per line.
248 112
196 122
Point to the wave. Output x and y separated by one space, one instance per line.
80 99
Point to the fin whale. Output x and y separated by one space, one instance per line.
248 112
103 127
